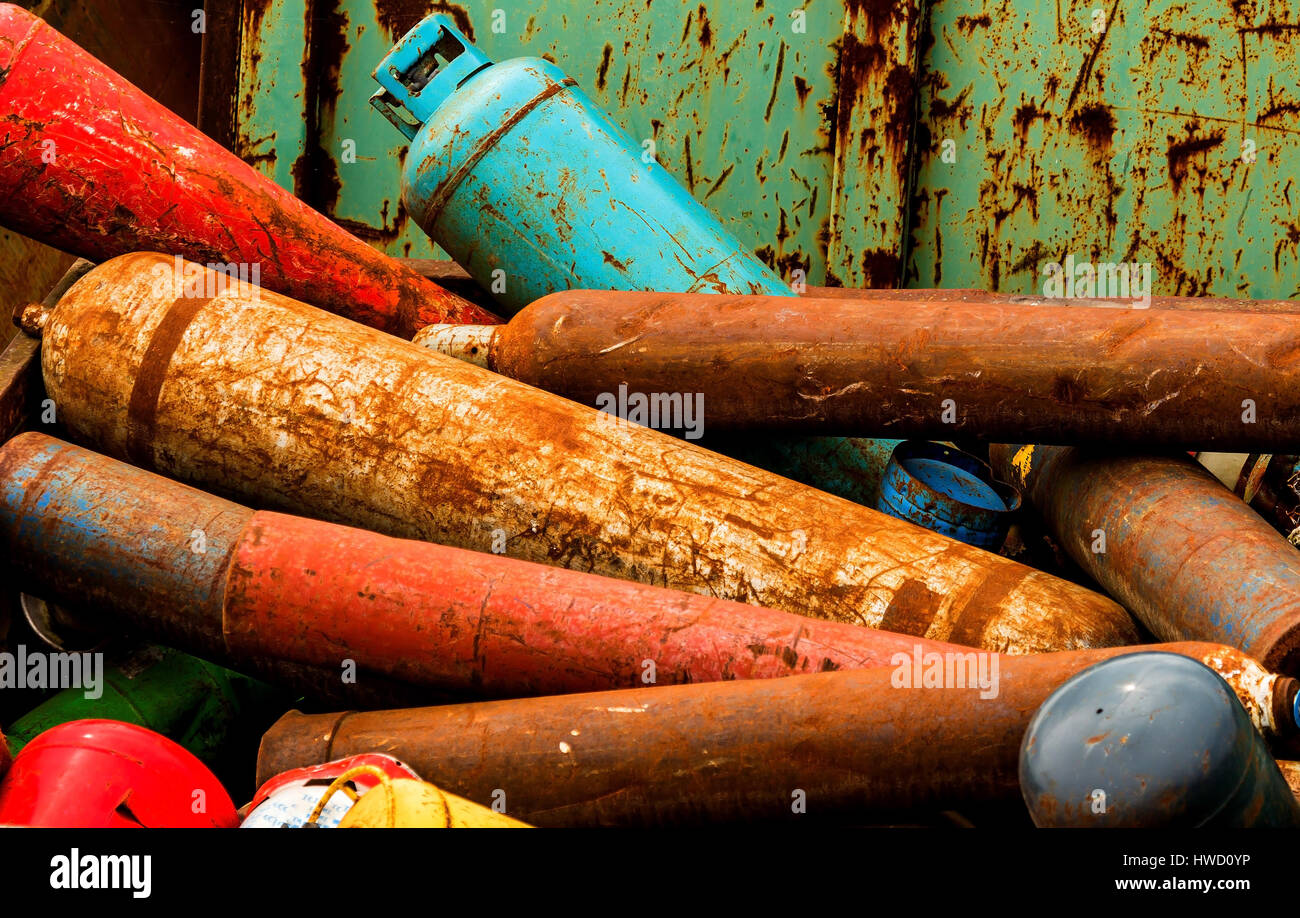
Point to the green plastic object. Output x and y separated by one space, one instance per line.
202 706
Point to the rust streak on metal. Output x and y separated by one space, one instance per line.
142 405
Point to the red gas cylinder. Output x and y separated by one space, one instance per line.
107 774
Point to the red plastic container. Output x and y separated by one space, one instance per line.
107 774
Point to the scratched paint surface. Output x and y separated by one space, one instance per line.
1123 145
741 107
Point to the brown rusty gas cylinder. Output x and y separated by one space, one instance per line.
1183 553
928 733
253 394
898 368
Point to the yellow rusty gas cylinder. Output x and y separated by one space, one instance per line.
252 394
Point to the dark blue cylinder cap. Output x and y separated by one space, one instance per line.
1150 739
949 491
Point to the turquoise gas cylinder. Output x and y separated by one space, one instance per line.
532 188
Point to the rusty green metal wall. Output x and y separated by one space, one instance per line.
1039 129
1128 144
743 102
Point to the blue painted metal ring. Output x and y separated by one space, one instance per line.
949 491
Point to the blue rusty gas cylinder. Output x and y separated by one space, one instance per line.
512 168
949 491
1150 739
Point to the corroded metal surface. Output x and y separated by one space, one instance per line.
728 751
804 177
1158 132
298 410
166 66
874 134
911 367
875 117
288 588
95 167
1167 540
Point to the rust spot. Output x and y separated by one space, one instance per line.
958 108
969 24
1273 29
783 230
1086 70
802 89
1031 259
784 265
1181 151
603 71
718 182
1096 123
900 91
776 82
1025 116
397 17
315 173
880 268
611 260
911 609
706 31
690 169
1282 108
1022 193
1186 39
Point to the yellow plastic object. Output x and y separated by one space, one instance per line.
404 803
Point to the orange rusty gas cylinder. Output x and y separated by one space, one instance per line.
268 588
929 733
257 395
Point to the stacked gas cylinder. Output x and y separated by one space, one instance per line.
676 544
